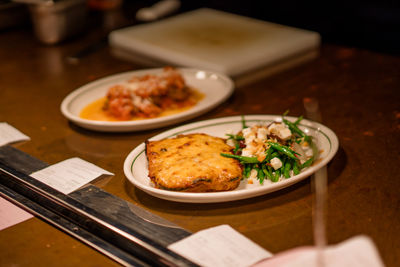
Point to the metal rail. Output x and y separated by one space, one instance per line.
126 243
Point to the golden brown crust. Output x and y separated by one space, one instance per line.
192 163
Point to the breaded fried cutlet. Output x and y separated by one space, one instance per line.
192 163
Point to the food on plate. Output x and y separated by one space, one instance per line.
199 162
274 151
142 97
192 163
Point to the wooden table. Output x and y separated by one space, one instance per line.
359 95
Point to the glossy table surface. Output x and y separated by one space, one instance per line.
359 97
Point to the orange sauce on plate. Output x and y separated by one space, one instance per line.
94 111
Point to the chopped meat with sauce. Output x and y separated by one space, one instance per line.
147 96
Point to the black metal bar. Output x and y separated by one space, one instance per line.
142 242
72 229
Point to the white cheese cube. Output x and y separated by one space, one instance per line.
253 174
280 130
249 139
276 163
247 152
262 133
246 132
285 133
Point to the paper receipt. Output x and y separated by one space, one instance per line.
8 134
220 246
69 175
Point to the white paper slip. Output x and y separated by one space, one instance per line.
11 214
8 134
220 246
69 175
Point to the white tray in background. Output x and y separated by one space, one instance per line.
216 40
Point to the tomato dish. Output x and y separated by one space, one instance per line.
142 97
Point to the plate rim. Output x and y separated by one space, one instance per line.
137 125
225 196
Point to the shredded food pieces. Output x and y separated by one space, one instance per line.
147 96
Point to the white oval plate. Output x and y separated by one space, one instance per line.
216 88
136 165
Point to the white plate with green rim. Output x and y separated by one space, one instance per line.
136 165
215 87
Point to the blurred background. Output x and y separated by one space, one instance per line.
368 24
